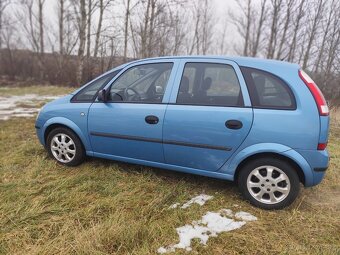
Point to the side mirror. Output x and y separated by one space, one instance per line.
102 95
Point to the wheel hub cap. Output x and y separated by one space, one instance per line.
268 184
63 148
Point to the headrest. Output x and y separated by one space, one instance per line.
206 83
184 87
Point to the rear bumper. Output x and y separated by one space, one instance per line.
318 161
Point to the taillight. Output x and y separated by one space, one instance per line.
316 92
322 146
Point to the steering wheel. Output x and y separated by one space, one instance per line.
126 93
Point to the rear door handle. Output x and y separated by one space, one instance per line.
233 124
151 119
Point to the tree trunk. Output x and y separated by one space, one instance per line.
248 24
126 31
151 27
144 31
325 35
41 35
274 27
82 38
312 34
61 27
285 28
259 28
291 53
88 40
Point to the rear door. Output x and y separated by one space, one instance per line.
129 125
209 114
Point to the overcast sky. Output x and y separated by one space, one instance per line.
220 7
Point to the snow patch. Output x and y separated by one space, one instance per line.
200 199
175 205
245 216
211 224
9 106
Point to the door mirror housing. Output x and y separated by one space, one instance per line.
102 96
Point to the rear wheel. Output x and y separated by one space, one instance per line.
65 146
269 183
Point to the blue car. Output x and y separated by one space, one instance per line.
261 123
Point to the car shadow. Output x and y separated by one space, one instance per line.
167 175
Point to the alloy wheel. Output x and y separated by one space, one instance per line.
268 184
63 148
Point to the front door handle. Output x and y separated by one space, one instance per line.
233 124
151 119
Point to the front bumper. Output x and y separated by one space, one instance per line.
40 134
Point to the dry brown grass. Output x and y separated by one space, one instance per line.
105 207
335 114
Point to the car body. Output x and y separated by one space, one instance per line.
211 116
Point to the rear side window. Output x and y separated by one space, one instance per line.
267 90
209 84
89 93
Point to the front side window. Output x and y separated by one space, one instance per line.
209 84
143 83
89 93
267 90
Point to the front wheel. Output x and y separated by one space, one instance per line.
65 146
269 183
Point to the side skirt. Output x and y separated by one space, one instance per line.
216 175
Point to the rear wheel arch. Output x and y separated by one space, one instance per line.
290 161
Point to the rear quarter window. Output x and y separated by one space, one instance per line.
268 90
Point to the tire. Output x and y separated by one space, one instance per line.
65 147
269 183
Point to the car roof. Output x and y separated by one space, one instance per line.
241 61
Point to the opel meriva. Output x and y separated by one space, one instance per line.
261 123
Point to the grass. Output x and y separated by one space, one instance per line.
39 90
106 207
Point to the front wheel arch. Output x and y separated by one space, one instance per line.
245 161
54 126
67 123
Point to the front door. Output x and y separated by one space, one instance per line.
129 125
207 119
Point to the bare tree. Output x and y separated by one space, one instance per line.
41 36
102 7
326 30
289 9
203 27
80 11
296 29
313 30
274 27
126 27
247 28
207 27
3 5
259 28
61 25
88 24
34 29
334 44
